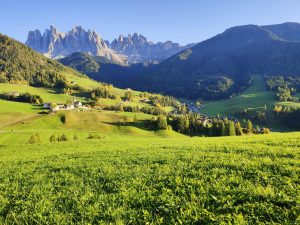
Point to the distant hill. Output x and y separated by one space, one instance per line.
222 64
20 64
215 68
101 69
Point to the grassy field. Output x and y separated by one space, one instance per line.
255 97
124 179
133 175
79 123
12 112
47 94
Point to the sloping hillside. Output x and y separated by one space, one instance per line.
20 64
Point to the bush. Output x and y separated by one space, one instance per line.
75 137
94 136
53 138
34 139
63 137
266 130
161 123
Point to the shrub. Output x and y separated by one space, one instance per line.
75 137
94 136
266 130
34 139
161 123
63 137
53 138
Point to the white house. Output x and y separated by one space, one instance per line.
78 104
47 105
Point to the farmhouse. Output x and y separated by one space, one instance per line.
47 105
13 94
78 104
56 107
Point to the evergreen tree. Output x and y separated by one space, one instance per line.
222 128
231 129
238 129
249 127
257 129
182 124
161 123
214 129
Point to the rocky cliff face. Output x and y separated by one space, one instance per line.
55 44
138 49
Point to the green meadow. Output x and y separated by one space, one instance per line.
256 97
130 174
253 98
48 95
127 179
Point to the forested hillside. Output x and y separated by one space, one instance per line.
20 64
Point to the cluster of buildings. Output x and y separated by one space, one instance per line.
60 107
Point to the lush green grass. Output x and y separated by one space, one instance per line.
48 95
82 81
254 98
80 123
90 84
12 112
137 180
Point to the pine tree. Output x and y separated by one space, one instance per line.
257 129
222 128
249 127
182 124
231 129
238 129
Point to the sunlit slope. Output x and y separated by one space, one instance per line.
256 97
128 179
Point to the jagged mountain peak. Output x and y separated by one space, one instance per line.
139 49
55 44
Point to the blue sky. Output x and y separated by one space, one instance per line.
183 21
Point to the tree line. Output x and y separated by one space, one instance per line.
22 97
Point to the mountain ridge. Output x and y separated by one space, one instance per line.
56 44
138 49
131 49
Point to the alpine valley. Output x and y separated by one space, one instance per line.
131 131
